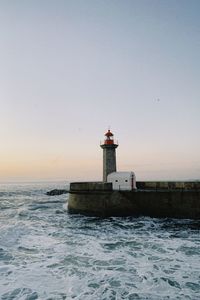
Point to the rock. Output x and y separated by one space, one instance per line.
56 192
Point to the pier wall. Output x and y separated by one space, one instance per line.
154 199
168 185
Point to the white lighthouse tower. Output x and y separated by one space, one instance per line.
109 155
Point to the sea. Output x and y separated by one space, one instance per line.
47 253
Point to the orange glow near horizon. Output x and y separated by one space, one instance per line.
41 168
85 167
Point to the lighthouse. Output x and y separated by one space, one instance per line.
109 155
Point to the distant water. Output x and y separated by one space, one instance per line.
45 253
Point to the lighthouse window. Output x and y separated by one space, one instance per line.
116 180
126 180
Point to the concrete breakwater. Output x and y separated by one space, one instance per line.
154 199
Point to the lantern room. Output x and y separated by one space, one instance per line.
109 138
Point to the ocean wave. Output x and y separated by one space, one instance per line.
45 253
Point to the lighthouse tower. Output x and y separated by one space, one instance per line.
109 155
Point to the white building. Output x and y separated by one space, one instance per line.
122 180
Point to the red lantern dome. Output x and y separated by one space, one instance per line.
109 138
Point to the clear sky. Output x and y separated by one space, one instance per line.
71 68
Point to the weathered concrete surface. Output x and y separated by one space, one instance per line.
173 204
91 186
176 203
168 185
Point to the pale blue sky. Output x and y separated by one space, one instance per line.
69 69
